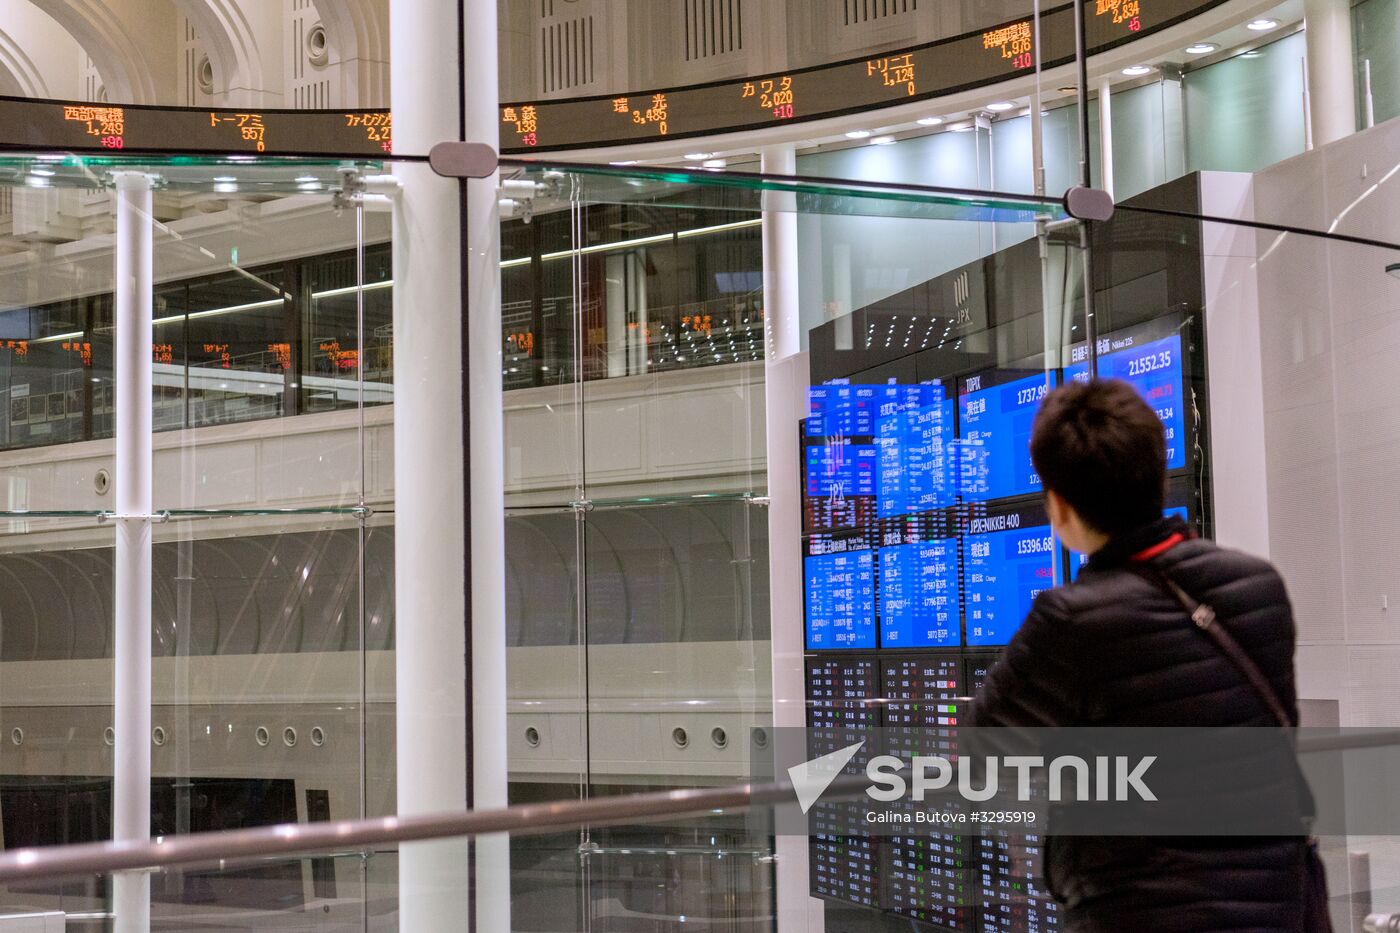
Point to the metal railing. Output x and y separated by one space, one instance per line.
294 839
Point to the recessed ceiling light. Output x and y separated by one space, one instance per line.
224 178
1201 48
1262 24
1000 106
858 134
305 179
714 163
882 141
1134 71
699 156
930 121
1068 89
46 172
624 162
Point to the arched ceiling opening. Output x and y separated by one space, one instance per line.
134 60
243 41
358 30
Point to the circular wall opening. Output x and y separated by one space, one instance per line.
317 49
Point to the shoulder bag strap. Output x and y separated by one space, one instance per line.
1204 618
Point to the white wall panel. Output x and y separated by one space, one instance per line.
1329 340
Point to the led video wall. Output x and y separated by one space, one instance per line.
925 541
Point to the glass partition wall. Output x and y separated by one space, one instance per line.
271 534
648 647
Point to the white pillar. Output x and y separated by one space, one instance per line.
785 402
1106 136
1331 82
131 769
430 525
487 462
615 269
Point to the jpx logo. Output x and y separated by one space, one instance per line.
960 289
962 293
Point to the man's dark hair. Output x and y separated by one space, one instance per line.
1101 447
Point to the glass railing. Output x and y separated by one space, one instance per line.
664 578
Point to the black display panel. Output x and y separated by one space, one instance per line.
1011 897
930 70
926 875
1006 866
842 693
70 125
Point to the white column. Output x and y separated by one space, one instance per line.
1331 82
487 462
785 402
430 526
615 270
1106 136
131 768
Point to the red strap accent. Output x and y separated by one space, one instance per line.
1166 544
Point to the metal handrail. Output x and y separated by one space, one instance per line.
293 839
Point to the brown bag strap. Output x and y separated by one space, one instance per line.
1204 618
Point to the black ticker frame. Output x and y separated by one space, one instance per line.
507 147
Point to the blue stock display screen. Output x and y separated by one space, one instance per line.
840 598
921 507
1008 559
1152 367
919 594
995 411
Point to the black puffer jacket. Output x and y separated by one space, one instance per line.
1113 649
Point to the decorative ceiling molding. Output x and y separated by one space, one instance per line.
247 74
127 73
19 75
358 31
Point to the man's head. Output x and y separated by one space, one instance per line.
1101 455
